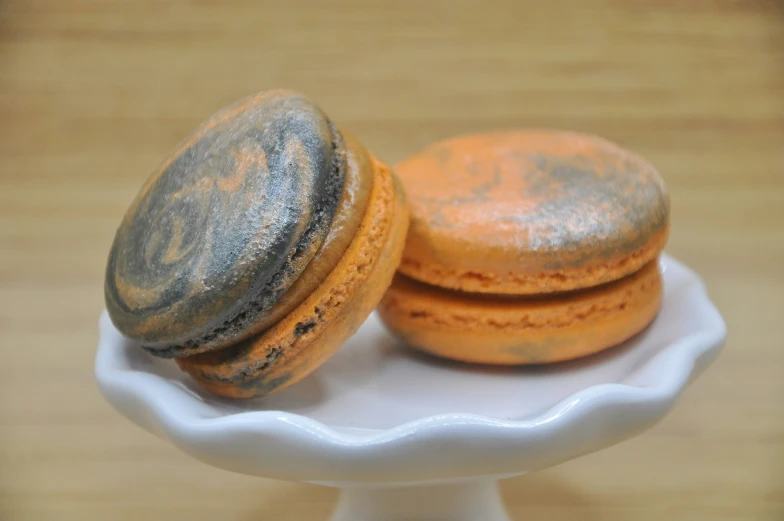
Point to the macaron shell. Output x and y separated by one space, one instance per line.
305 338
225 225
495 329
528 212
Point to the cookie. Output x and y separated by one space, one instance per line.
238 227
527 247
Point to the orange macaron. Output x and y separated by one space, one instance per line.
529 246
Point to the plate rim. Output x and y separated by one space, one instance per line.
146 394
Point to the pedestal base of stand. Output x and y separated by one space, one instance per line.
474 501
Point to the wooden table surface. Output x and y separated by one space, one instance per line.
95 93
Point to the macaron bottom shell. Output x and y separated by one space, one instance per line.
508 330
306 337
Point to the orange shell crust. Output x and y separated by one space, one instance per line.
529 212
504 330
306 337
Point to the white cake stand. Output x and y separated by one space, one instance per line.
408 436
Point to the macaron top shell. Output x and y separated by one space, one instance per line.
537 211
226 224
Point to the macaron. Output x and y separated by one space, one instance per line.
527 247
257 247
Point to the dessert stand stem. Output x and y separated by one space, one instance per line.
472 501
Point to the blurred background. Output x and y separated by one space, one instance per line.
95 93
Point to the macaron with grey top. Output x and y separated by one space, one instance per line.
237 227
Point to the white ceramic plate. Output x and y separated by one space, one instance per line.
378 412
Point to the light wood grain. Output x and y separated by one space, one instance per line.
93 94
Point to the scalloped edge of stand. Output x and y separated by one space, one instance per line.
333 455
